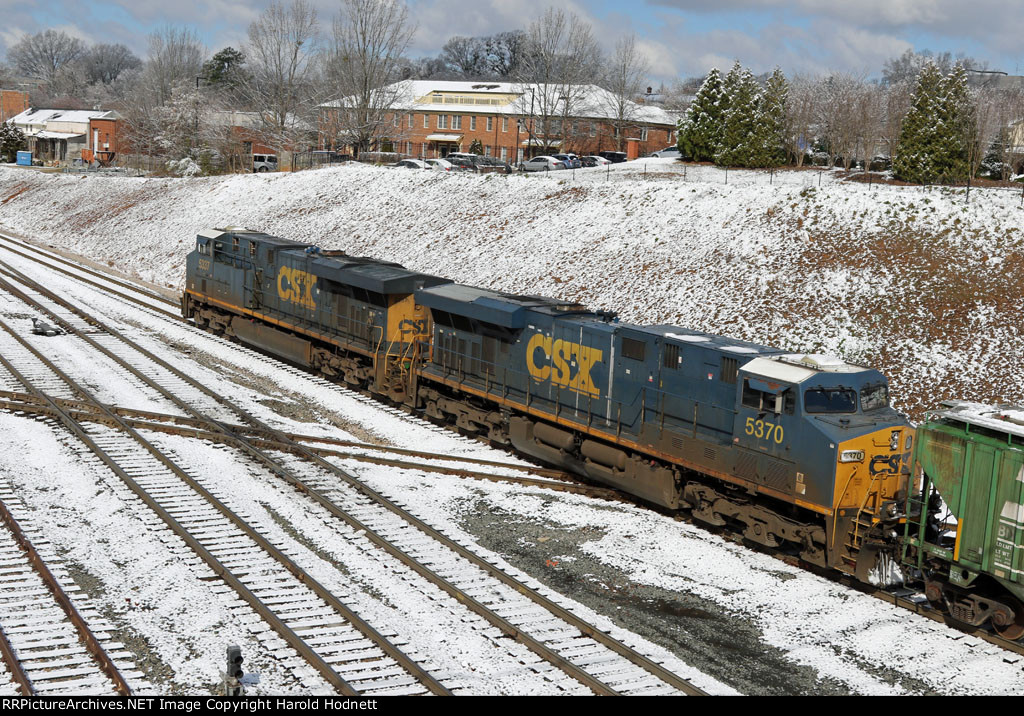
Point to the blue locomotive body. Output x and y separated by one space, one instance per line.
788 448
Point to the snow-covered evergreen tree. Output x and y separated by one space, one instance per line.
741 121
958 118
12 139
771 132
700 131
938 130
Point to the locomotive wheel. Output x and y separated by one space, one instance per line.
1013 629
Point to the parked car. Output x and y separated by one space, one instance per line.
613 157
543 163
568 160
672 152
594 161
474 158
410 164
494 164
461 163
439 164
264 162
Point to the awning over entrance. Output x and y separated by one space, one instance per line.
57 135
542 143
444 138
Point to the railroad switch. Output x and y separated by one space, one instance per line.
42 328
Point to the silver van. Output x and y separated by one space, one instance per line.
264 162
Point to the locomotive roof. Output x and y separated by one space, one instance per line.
502 309
1004 418
370 274
253 235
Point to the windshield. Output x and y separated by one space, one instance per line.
830 400
873 397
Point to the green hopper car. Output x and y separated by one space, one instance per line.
964 534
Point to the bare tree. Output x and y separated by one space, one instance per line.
801 113
42 55
560 62
869 115
624 80
364 66
105 63
837 116
175 58
898 98
467 57
281 57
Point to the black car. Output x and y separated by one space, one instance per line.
493 164
462 163
613 157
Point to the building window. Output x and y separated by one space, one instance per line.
490 124
409 122
504 154
426 121
487 150
456 121
643 134
442 121
472 124
593 129
504 125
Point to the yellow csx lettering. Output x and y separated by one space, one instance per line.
296 286
556 365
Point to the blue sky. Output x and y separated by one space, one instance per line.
679 37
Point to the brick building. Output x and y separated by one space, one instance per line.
12 103
67 135
434 118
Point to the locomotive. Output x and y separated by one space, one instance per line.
801 452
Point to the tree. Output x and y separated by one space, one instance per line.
42 55
12 140
907 67
364 66
700 131
175 58
624 79
800 118
105 63
281 55
467 57
504 53
224 71
837 119
920 136
770 141
739 143
561 59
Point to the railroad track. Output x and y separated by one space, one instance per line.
568 642
53 643
911 602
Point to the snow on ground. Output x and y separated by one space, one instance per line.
914 282
919 283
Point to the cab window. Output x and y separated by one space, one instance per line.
830 400
873 397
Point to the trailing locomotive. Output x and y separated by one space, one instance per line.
798 450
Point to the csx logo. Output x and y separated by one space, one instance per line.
564 363
296 286
884 463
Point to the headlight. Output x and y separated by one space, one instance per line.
851 456
894 440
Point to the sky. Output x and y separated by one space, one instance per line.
680 38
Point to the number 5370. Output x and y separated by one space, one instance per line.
764 431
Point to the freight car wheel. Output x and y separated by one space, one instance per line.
1011 629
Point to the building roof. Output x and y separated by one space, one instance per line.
35 115
509 98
